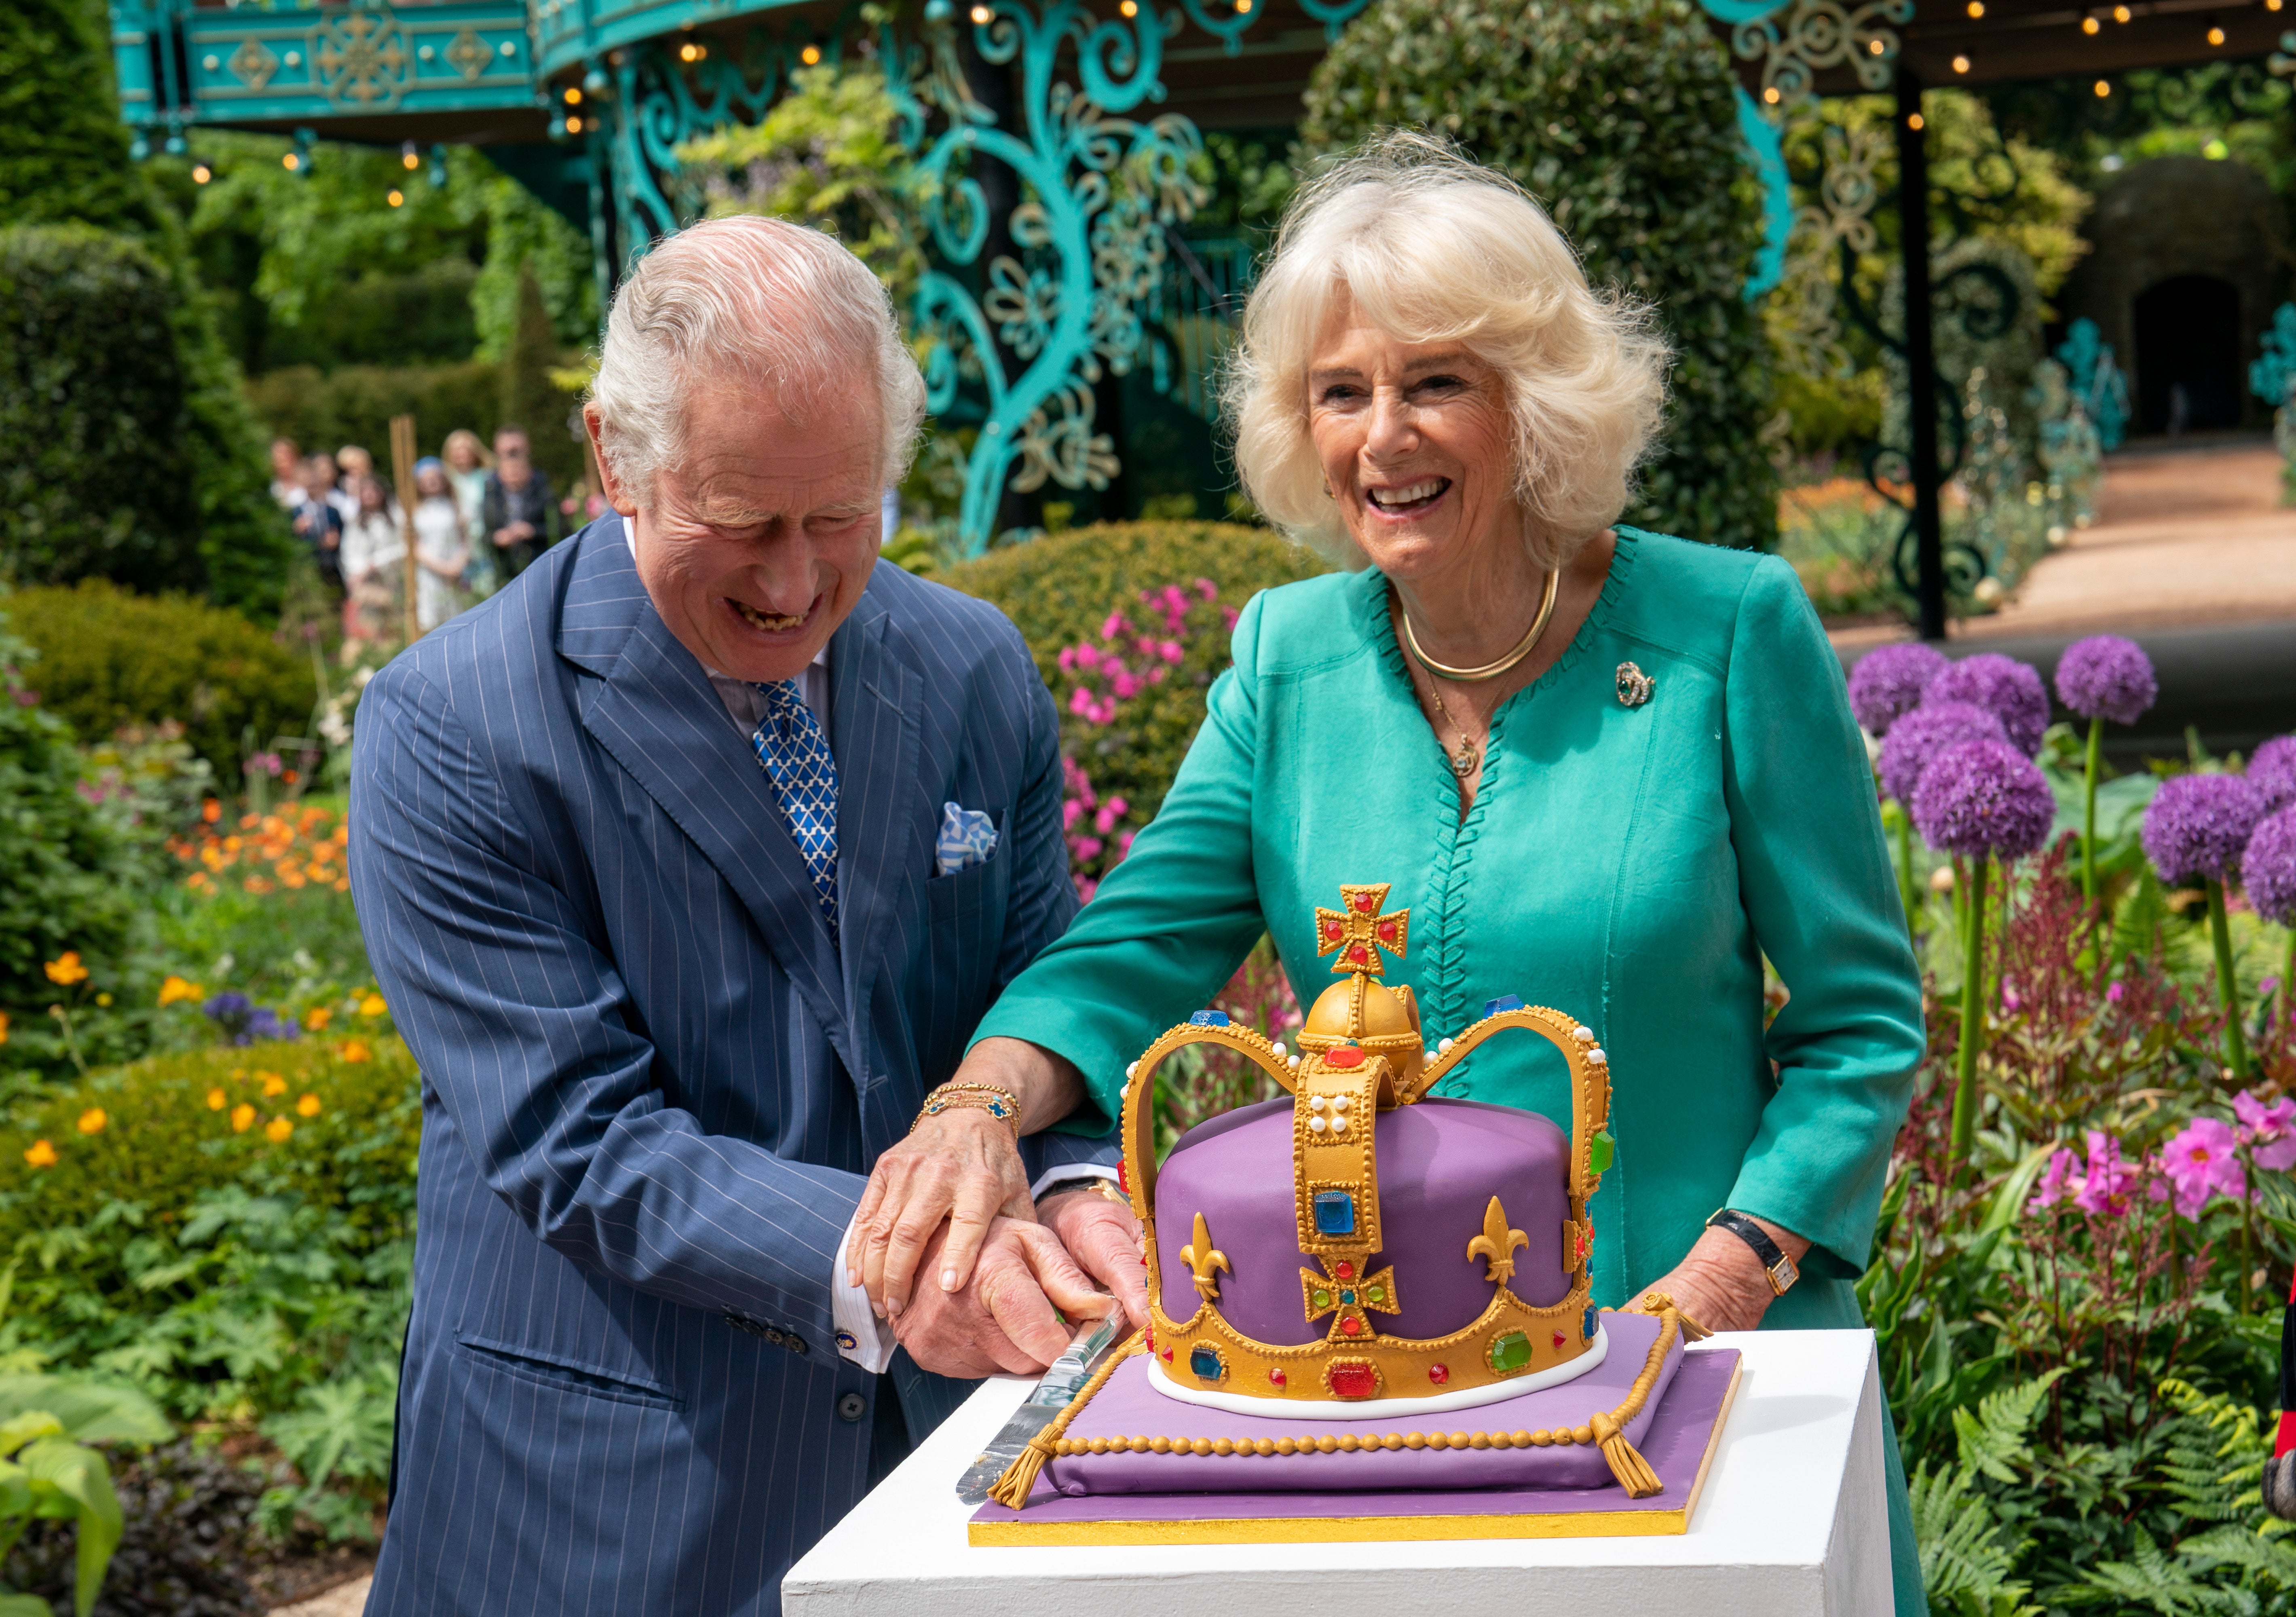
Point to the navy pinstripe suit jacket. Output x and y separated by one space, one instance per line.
651 1086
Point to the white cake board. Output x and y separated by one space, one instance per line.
1791 1524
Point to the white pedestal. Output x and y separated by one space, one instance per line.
1791 1524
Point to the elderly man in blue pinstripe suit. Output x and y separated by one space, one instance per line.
689 863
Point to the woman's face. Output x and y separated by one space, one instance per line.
430 485
370 495
1414 438
461 455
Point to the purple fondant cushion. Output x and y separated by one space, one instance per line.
1129 1406
1440 1163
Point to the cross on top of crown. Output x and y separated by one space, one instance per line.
1358 931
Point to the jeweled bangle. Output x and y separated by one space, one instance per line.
998 1103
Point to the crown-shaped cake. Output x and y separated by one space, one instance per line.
1428 1289
1360 1254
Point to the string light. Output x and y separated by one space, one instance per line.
289 162
2121 13
573 96
1976 9
2216 34
201 174
981 16
691 52
573 126
2103 89
398 198
1242 7
1961 64
2089 25
1770 94
407 158
1130 8
810 56
1875 47
1914 122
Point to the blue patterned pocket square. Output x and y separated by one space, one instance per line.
967 838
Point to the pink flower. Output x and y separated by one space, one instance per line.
2009 1000
1169 650
1080 701
1209 590
1087 656
1068 659
2201 1161
1086 847
1228 615
1071 812
2103 1190
1125 686
1113 626
1117 805
2113 994
2269 1131
1124 844
2058 1181
1105 820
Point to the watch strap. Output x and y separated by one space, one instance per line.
1779 1267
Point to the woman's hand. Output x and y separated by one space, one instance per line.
962 1166
1721 1283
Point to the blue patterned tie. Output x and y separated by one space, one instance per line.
797 760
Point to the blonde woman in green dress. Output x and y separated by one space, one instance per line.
1607 771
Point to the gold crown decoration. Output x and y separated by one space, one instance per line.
1363 1053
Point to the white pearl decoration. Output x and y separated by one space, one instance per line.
1338 1125
1316 1125
1316 1102
1279 1049
1597 1057
1584 1035
1131 1070
1339 1103
1443 1047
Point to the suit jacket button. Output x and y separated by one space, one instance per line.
852 1407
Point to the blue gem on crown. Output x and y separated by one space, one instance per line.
1505 1002
1209 1019
1335 1212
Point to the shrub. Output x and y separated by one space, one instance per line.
228 1228
67 881
1620 116
354 404
107 659
1086 588
66 164
94 477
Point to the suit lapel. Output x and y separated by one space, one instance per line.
882 821
655 711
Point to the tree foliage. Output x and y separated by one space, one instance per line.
1618 115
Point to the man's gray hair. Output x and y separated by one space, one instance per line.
753 303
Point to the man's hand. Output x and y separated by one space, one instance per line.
1721 1283
1104 1237
1003 1322
939 1188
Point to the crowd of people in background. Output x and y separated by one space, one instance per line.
480 518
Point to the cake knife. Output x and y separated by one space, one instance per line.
1092 1344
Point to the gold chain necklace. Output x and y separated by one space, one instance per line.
1469 758
1489 670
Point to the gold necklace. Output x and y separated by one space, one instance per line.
1469 757
1489 670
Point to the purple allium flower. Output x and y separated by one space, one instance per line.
2108 676
2201 1160
2199 824
1927 731
2272 771
1888 682
2005 687
1983 797
2269 867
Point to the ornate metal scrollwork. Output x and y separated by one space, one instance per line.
362 59
1816 34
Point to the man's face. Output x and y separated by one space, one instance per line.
319 475
511 458
758 544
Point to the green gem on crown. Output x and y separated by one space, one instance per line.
1600 1150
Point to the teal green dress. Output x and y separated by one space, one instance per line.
1629 865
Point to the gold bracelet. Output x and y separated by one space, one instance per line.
992 1098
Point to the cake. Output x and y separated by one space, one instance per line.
1362 1268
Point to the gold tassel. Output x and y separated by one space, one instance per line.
1020 1479
1633 1471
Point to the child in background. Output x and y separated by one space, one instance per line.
374 564
442 545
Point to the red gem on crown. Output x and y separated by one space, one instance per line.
1558 1342
1345 1056
1276 1377
1344 1269
1352 1381
1331 929
1438 1374
1386 931
1364 902
1351 1326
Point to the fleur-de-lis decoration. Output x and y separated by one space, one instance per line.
1205 1260
1497 1244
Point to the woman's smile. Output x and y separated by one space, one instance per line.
1406 502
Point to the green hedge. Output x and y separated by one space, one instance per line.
1060 591
354 404
65 164
1620 116
107 659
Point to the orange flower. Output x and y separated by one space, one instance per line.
218 1100
355 1050
242 1117
308 1105
3 1026
93 1120
372 1006
278 1129
211 811
257 885
68 970
41 1155
317 1018
273 1084
175 988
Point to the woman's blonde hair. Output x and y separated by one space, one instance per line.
464 438
1431 246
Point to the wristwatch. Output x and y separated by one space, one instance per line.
1776 1266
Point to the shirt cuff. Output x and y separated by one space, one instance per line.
868 1340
